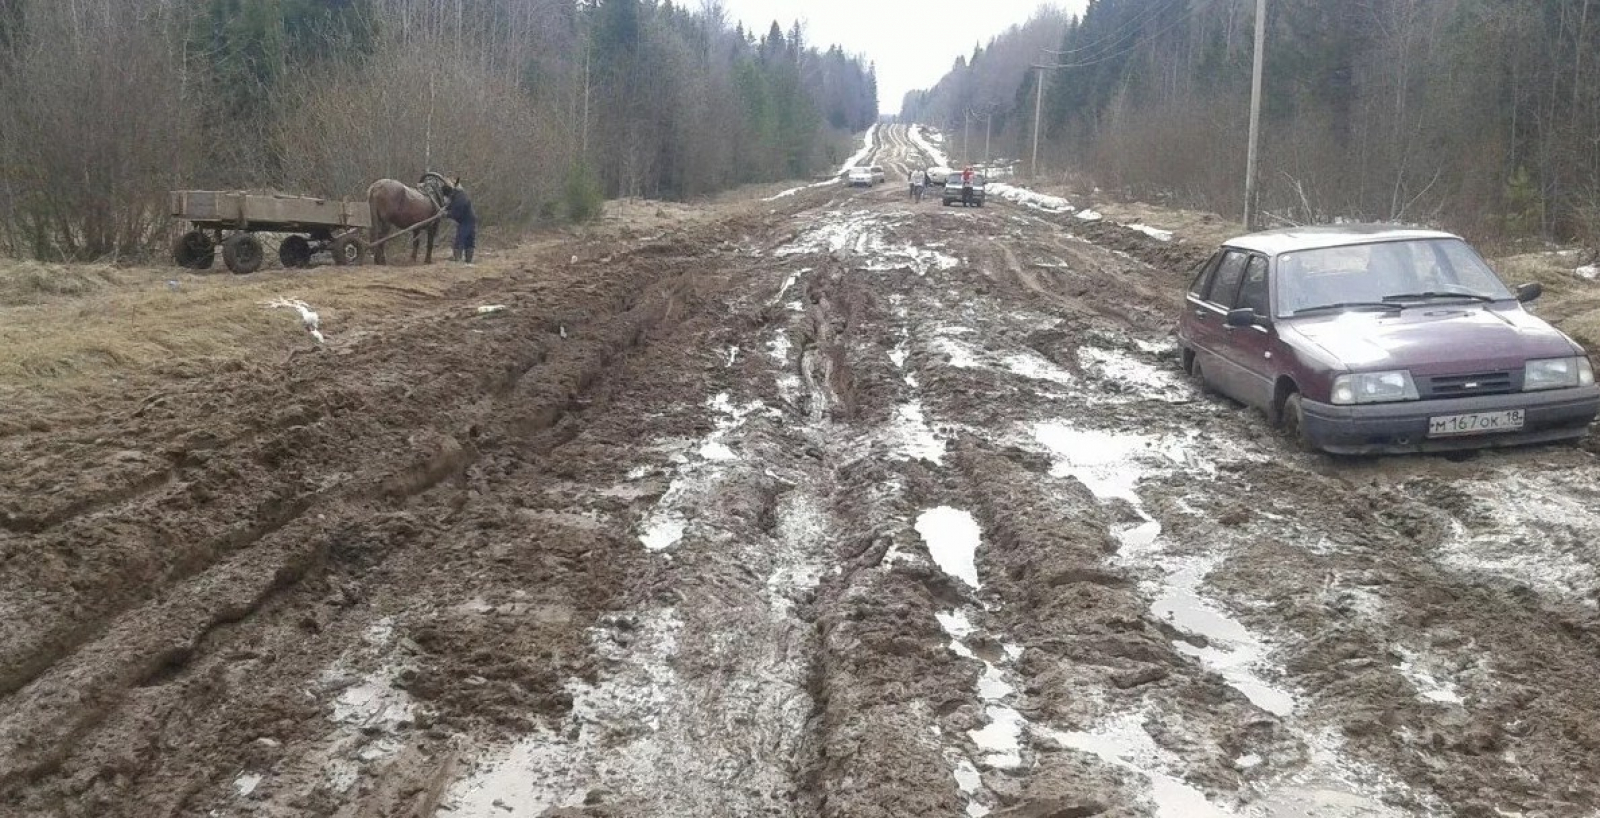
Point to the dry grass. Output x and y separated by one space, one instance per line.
68 330
1570 302
64 329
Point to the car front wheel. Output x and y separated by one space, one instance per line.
1294 423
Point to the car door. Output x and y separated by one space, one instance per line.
1207 311
1250 368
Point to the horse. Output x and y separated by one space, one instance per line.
394 205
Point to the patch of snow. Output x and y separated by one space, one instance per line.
898 355
373 703
1028 198
961 356
1037 367
935 155
858 156
778 348
967 778
1089 215
717 450
1428 686
952 537
246 784
911 436
1588 271
664 531
792 191
1153 232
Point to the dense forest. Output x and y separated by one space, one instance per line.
543 107
1482 115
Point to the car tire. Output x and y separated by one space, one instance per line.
1294 423
1197 376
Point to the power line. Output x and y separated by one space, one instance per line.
1128 28
1193 10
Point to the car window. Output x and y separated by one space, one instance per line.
1202 277
1457 264
1225 285
1253 293
1373 272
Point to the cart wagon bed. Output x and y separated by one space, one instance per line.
317 224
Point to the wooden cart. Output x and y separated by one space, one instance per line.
232 218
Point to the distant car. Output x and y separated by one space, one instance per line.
1368 339
938 174
966 195
878 174
862 176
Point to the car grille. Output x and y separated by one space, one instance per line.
1465 386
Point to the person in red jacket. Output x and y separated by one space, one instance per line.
966 185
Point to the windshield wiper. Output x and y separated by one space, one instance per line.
1438 294
1345 305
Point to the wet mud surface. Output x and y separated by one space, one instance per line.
847 507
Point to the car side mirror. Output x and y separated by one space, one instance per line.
1529 291
1244 317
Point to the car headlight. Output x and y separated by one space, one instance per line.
1374 387
1557 373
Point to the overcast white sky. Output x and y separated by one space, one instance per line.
914 42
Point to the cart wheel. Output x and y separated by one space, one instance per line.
294 252
348 250
242 253
194 250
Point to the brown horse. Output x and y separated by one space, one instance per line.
396 206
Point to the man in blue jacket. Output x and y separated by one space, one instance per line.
459 209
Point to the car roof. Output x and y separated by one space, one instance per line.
1293 239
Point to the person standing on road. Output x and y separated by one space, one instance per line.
966 185
919 180
459 209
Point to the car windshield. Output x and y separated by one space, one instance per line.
1396 272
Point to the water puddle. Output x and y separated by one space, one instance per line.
1231 650
1134 376
855 230
610 727
952 537
1537 530
666 524
1123 742
1111 464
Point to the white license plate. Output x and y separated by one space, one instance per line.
1475 424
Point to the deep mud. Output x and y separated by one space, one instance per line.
847 507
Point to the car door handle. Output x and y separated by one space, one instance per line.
1201 314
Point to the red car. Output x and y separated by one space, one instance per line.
1367 339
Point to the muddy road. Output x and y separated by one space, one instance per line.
836 506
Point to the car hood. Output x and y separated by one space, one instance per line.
1435 339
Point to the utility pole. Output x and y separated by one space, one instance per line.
1038 109
1255 116
988 128
966 138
